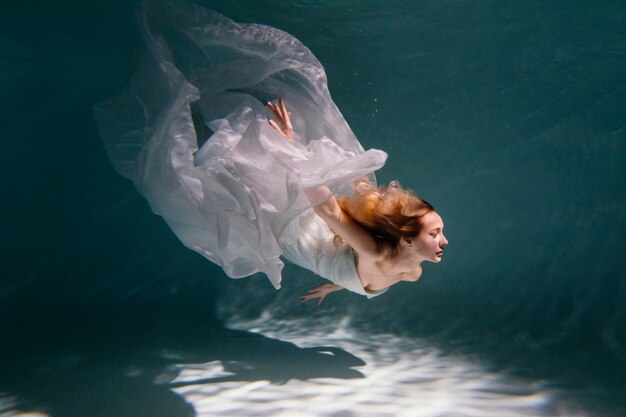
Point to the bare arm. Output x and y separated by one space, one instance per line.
326 206
322 199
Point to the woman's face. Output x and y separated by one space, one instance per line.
430 242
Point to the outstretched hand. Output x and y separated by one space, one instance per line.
281 114
320 292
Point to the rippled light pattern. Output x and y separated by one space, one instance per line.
400 377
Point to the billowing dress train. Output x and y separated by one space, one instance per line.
191 132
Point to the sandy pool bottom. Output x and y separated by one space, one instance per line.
343 373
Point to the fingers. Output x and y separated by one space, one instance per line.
275 111
318 292
320 300
306 298
276 128
280 111
286 115
313 294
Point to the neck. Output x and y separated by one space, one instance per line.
405 260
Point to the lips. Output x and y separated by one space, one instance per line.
439 253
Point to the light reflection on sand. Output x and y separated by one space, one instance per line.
401 377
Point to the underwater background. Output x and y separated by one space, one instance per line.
508 116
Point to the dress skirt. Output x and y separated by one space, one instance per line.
191 131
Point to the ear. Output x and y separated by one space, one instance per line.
408 241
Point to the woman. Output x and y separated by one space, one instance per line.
391 232
191 132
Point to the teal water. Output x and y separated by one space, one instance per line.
508 116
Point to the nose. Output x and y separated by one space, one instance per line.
444 241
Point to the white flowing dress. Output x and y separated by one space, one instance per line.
191 132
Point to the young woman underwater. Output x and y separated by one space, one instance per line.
390 230
192 133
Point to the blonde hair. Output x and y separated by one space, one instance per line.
389 213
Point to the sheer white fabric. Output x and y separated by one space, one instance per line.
201 78
309 243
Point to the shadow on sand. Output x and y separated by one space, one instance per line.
121 361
